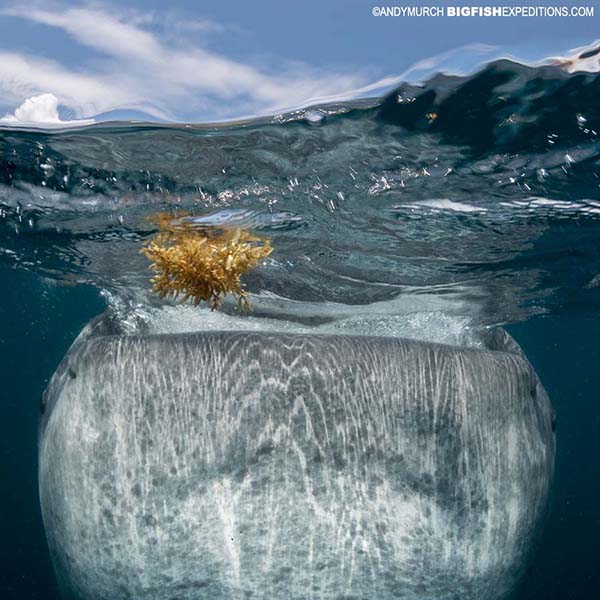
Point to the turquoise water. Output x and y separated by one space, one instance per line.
468 202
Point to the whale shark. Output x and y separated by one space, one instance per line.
281 465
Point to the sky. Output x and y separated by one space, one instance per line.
74 63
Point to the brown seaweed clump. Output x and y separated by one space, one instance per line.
202 264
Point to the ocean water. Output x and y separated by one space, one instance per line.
434 213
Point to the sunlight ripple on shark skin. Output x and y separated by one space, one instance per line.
285 465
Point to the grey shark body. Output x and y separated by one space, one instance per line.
233 465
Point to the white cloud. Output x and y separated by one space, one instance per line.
41 110
22 76
134 67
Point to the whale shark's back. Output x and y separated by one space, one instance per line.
230 465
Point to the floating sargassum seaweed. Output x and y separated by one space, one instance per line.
202 264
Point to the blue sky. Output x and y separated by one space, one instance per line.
208 60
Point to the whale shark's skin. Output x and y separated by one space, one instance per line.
234 465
